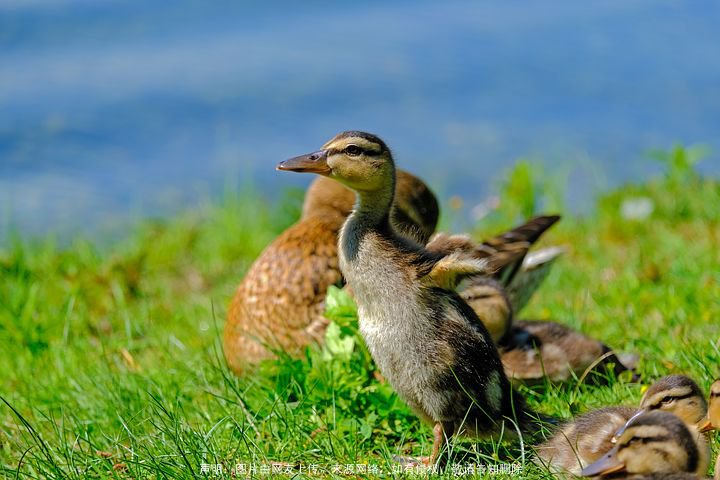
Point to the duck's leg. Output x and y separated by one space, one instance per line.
441 433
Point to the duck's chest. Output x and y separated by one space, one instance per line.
395 320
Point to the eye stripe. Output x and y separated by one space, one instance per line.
644 440
366 152
672 397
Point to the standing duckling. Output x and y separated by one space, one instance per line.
654 445
426 341
281 300
584 440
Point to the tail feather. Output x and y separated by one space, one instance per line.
527 233
535 268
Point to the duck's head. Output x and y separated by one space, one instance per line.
676 394
712 422
361 161
679 395
654 442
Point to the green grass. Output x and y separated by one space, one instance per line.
111 356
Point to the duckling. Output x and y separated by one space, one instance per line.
533 350
582 441
427 342
280 302
712 422
497 300
653 446
676 394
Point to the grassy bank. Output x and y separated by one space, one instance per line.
112 365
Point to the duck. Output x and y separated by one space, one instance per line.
538 350
654 445
424 338
676 394
279 304
533 351
712 422
585 439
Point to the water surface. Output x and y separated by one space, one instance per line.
111 110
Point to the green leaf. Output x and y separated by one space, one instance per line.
340 306
336 344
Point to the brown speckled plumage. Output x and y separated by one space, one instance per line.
280 302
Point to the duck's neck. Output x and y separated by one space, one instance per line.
372 213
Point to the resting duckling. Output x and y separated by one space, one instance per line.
280 302
712 422
655 445
676 394
535 350
584 440
426 341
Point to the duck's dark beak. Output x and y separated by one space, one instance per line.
311 163
606 465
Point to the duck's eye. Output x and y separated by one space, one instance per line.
667 400
353 150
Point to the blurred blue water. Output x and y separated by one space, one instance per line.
113 109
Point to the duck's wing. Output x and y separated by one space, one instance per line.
535 268
506 251
448 271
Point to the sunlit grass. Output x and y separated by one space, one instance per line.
112 367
